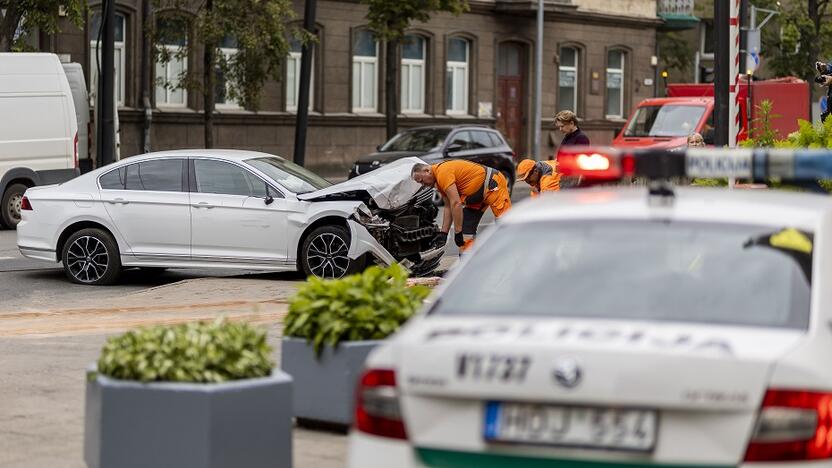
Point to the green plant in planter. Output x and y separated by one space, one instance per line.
204 352
368 306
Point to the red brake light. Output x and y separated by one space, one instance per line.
25 204
75 151
792 425
590 163
377 407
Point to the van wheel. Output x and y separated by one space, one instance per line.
90 256
10 207
324 254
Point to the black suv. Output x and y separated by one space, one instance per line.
478 144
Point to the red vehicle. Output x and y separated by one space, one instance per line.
667 122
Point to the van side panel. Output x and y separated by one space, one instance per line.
38 116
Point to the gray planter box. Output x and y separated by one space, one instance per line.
325 387
241 424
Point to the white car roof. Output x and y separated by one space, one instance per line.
765 207
229 154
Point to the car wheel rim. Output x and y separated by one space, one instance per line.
327 256
15 204
87 259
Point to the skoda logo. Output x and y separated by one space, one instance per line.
567 373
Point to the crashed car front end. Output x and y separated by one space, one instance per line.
407 235
395 221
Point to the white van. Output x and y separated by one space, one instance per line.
38 130
78 85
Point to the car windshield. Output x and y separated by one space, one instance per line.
721 274
289 175
664 121
422 140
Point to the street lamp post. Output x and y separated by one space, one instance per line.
538 82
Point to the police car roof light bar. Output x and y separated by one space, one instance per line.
603 164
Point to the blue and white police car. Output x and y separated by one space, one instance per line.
651 326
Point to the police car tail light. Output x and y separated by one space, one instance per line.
792 425
589 162
377 409
25 204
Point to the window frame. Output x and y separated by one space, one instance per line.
358 86
297 57
453 67
192 188
406 66
184 184
576 68
121 47
622 72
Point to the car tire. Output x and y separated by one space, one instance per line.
91 256
10 205
324 254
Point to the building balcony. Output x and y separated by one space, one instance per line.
677 14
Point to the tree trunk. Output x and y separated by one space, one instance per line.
8 26
814 48
208 79
391 65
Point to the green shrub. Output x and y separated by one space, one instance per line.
202 352
368 306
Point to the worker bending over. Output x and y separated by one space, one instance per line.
467 189
542 176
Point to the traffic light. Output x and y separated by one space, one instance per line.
706 74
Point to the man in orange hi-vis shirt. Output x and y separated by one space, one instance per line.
542 176
468 189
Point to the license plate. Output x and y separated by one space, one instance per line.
569 426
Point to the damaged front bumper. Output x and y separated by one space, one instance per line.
363 242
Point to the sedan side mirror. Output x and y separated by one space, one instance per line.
269 199
453 148
378 148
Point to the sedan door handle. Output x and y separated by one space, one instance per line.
204 205
119 201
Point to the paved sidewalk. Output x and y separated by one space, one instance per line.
45 351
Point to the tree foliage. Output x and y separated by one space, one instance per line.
797 37
19 18
675 51
389 19
261 30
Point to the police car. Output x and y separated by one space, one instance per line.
660 326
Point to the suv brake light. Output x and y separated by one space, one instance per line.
377 409
25 204
792 425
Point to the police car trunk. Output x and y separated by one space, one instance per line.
606 326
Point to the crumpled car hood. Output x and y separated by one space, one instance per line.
390 186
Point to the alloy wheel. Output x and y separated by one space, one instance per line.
327 256
87 259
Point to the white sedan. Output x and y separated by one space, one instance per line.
610 327
228 209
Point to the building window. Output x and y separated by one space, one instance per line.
706 46
615 84
364 72
222 88
568 79
95 56
172 36
413 75
293 77
459 57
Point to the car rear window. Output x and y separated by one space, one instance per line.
649 270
